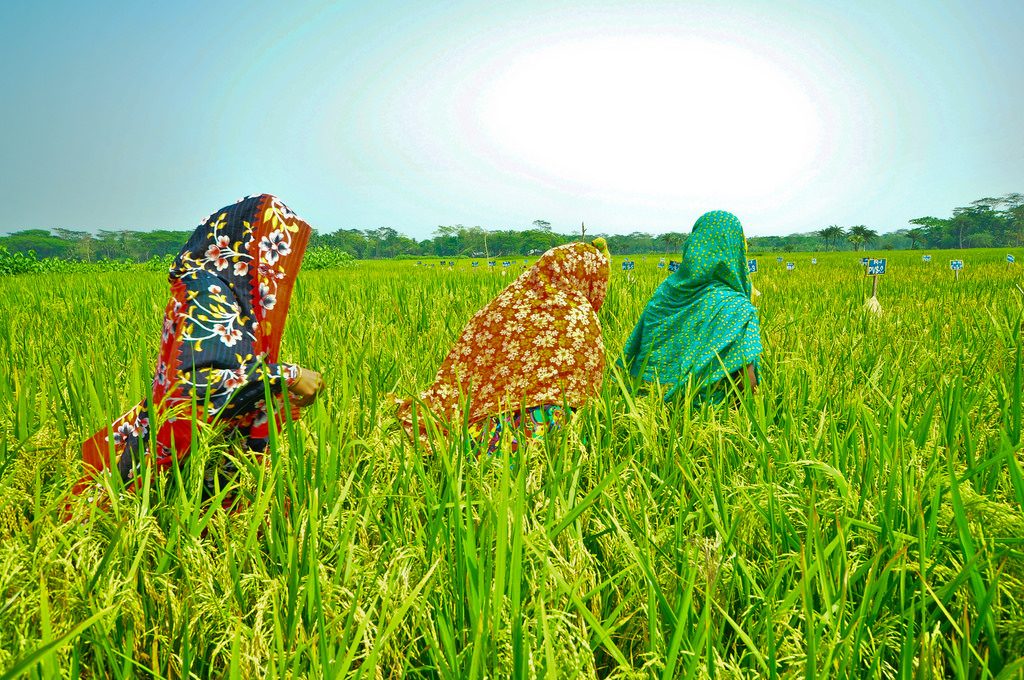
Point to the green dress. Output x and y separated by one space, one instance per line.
700 325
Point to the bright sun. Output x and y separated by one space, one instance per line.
652 116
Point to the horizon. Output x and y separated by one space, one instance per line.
594 234
629 118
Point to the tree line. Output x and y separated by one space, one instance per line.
985 223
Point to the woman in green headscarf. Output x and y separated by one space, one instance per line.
700 326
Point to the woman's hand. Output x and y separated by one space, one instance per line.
304 388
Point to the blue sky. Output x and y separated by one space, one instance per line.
628 115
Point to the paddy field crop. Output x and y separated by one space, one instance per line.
859 516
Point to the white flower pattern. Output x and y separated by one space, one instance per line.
538 341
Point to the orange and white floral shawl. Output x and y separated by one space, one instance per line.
539 342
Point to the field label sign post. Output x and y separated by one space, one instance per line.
875 269
956 266
1010 260
752 269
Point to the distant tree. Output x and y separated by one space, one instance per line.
856 239
916 235
867 236
1015 218
832 235
672 240
960 225
981 239
935 230
39 241
542 225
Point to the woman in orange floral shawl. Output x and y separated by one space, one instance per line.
532 350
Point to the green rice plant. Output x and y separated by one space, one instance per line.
861 515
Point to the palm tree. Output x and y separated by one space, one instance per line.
856 239
916 235
832 234
669 239
867 236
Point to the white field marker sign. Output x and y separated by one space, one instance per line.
926 258
790 266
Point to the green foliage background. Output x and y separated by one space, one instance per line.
985 223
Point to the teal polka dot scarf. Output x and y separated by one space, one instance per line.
700 325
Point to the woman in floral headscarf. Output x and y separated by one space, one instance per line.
531 351
700 326
230 288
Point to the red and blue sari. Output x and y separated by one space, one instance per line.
230 289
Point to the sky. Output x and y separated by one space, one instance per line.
630 116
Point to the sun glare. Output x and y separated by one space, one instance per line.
652 116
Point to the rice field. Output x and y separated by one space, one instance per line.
859 516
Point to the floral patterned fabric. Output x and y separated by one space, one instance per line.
539 342
230 289
532 424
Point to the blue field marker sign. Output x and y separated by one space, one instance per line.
790 266
628 265
476 264
661 265
443 262
1010 259
779 260
492 263
875 268
673 266
752 266
863 262
957 266
814 260
506 263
